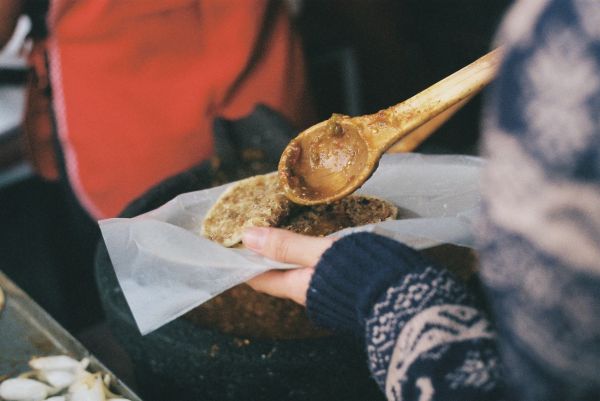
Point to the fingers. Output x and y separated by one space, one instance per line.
290 284
286 246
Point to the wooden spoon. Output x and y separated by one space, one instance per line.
335 157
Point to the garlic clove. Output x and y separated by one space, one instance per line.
56 362
89 388
20 389
57 378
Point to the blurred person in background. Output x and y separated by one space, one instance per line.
124 93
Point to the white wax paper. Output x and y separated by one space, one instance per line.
166 268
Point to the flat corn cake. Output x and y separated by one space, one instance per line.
257 201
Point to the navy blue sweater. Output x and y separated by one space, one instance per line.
426 334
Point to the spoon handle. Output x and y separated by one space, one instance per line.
413 139
406 117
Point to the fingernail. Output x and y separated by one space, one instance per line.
255 238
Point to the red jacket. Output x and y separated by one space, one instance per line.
137 84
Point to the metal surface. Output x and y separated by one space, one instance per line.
26 330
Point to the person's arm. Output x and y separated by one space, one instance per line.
540 244
425 334
10 10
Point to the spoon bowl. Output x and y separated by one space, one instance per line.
325 161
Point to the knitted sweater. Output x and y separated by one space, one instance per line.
426 334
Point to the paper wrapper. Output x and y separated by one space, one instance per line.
166 268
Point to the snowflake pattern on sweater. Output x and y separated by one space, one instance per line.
433 311
427 335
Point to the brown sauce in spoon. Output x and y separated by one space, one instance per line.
321 164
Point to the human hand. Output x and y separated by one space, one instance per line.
285 246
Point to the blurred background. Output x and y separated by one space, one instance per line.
361 56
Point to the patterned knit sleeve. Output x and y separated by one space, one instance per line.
540 239
426 335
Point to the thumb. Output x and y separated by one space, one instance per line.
286 246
